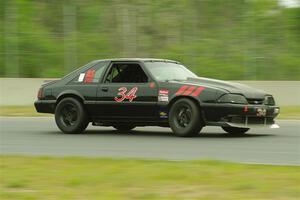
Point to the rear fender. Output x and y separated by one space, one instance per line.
70 93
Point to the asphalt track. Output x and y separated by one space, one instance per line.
40 136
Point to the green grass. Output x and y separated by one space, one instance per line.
83 178
20 111
287 112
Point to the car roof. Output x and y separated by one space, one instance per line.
139 59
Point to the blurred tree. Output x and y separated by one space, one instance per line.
69 26
11 39
232 39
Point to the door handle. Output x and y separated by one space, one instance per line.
104 89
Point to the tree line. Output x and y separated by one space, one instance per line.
226 39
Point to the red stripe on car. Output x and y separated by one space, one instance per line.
198 91
181 90
189 91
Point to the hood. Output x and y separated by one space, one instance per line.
231 87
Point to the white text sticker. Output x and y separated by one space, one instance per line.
81 77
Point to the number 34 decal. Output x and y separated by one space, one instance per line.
122 94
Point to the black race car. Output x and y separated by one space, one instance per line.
125 93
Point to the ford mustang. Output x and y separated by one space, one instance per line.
126 93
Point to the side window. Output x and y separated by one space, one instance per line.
126 73
91 75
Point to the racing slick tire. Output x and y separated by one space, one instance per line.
124 127
235 130
70 116
185 118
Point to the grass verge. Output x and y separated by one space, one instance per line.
20 111
287 112
87 178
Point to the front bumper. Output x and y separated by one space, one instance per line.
244 116
45 106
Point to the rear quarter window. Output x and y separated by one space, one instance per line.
91 75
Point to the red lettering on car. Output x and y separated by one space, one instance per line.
130 95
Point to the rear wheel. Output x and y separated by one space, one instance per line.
124 127
235 130
70 116
184 118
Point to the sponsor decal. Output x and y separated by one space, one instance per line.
189 90
163 95
89 76
81 77
261 112
181 90
163 92
163 98
163 115
197 91
131 95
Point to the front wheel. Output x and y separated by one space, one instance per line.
70 116
235 130
185 118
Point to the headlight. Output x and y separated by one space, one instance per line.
232 98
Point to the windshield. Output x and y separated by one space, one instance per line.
164 71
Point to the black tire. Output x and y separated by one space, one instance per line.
185 118
235 130
70 116
124 127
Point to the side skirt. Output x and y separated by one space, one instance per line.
111 122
